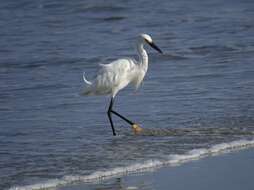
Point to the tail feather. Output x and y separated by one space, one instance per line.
86 91
85 80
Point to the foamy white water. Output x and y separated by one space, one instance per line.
172 159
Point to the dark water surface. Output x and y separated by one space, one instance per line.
205 80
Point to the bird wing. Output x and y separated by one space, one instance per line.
116 74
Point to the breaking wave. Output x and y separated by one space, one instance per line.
173 159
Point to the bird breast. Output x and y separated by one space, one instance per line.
138 76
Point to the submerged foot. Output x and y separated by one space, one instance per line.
136 129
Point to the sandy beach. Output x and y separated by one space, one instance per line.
232 171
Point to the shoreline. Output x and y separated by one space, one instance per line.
147 168
233 170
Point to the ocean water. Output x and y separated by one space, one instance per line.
201 89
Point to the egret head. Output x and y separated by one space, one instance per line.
147 39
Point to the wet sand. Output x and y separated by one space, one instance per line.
232 171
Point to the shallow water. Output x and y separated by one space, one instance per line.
205 81
214 172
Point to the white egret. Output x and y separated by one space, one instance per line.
118 74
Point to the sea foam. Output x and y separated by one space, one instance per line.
173 159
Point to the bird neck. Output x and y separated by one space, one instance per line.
143 57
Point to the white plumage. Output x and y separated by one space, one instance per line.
114 76
118 74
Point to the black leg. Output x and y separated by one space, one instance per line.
110 110
109 116
122 117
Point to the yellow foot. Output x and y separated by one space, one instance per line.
136 129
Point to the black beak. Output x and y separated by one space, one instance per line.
152 44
